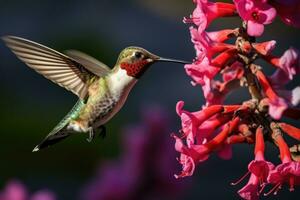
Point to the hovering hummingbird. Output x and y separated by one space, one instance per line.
102 91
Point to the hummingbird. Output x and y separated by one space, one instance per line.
101 91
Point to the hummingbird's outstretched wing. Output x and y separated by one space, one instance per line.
53 65
94 65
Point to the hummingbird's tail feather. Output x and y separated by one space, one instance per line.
60 131
52 139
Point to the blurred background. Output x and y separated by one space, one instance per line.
31 105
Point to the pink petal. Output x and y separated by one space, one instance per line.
260 168
289 62
295 97
283 172
188 166
267 14
202 70
255 29
15 191
250 190
277 107
43 195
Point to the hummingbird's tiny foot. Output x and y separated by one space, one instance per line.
102 131
91 134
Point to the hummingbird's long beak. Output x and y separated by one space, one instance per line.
172 60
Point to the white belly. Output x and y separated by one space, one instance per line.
120 86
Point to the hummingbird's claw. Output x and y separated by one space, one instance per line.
91 134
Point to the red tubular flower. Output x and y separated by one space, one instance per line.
235 71
244 129
277 105
207 128
290 130
220 90
222 35
259 169
250 190
205 46
207 11
235 139
190 121
221 60
289 62
193 154
264 48
220 138
288 171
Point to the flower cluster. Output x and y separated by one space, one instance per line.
216 127
15 190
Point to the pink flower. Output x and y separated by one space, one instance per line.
194 154
15 190
288 171
222 66
250 190
201 71
190 121
235 71
222 35
43 195
290 130
205 46
264 48
277 105
259 169
289 62
256 13
190 156
290 96
206 12
215 92
205 70
288 10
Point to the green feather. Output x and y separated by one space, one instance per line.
71 115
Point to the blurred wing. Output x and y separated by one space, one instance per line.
53 65
92 64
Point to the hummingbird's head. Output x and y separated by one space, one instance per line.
136 61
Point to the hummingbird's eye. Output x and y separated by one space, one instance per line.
138 55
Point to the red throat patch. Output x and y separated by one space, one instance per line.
136 69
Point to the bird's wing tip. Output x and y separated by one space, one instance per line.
7 37
36 149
